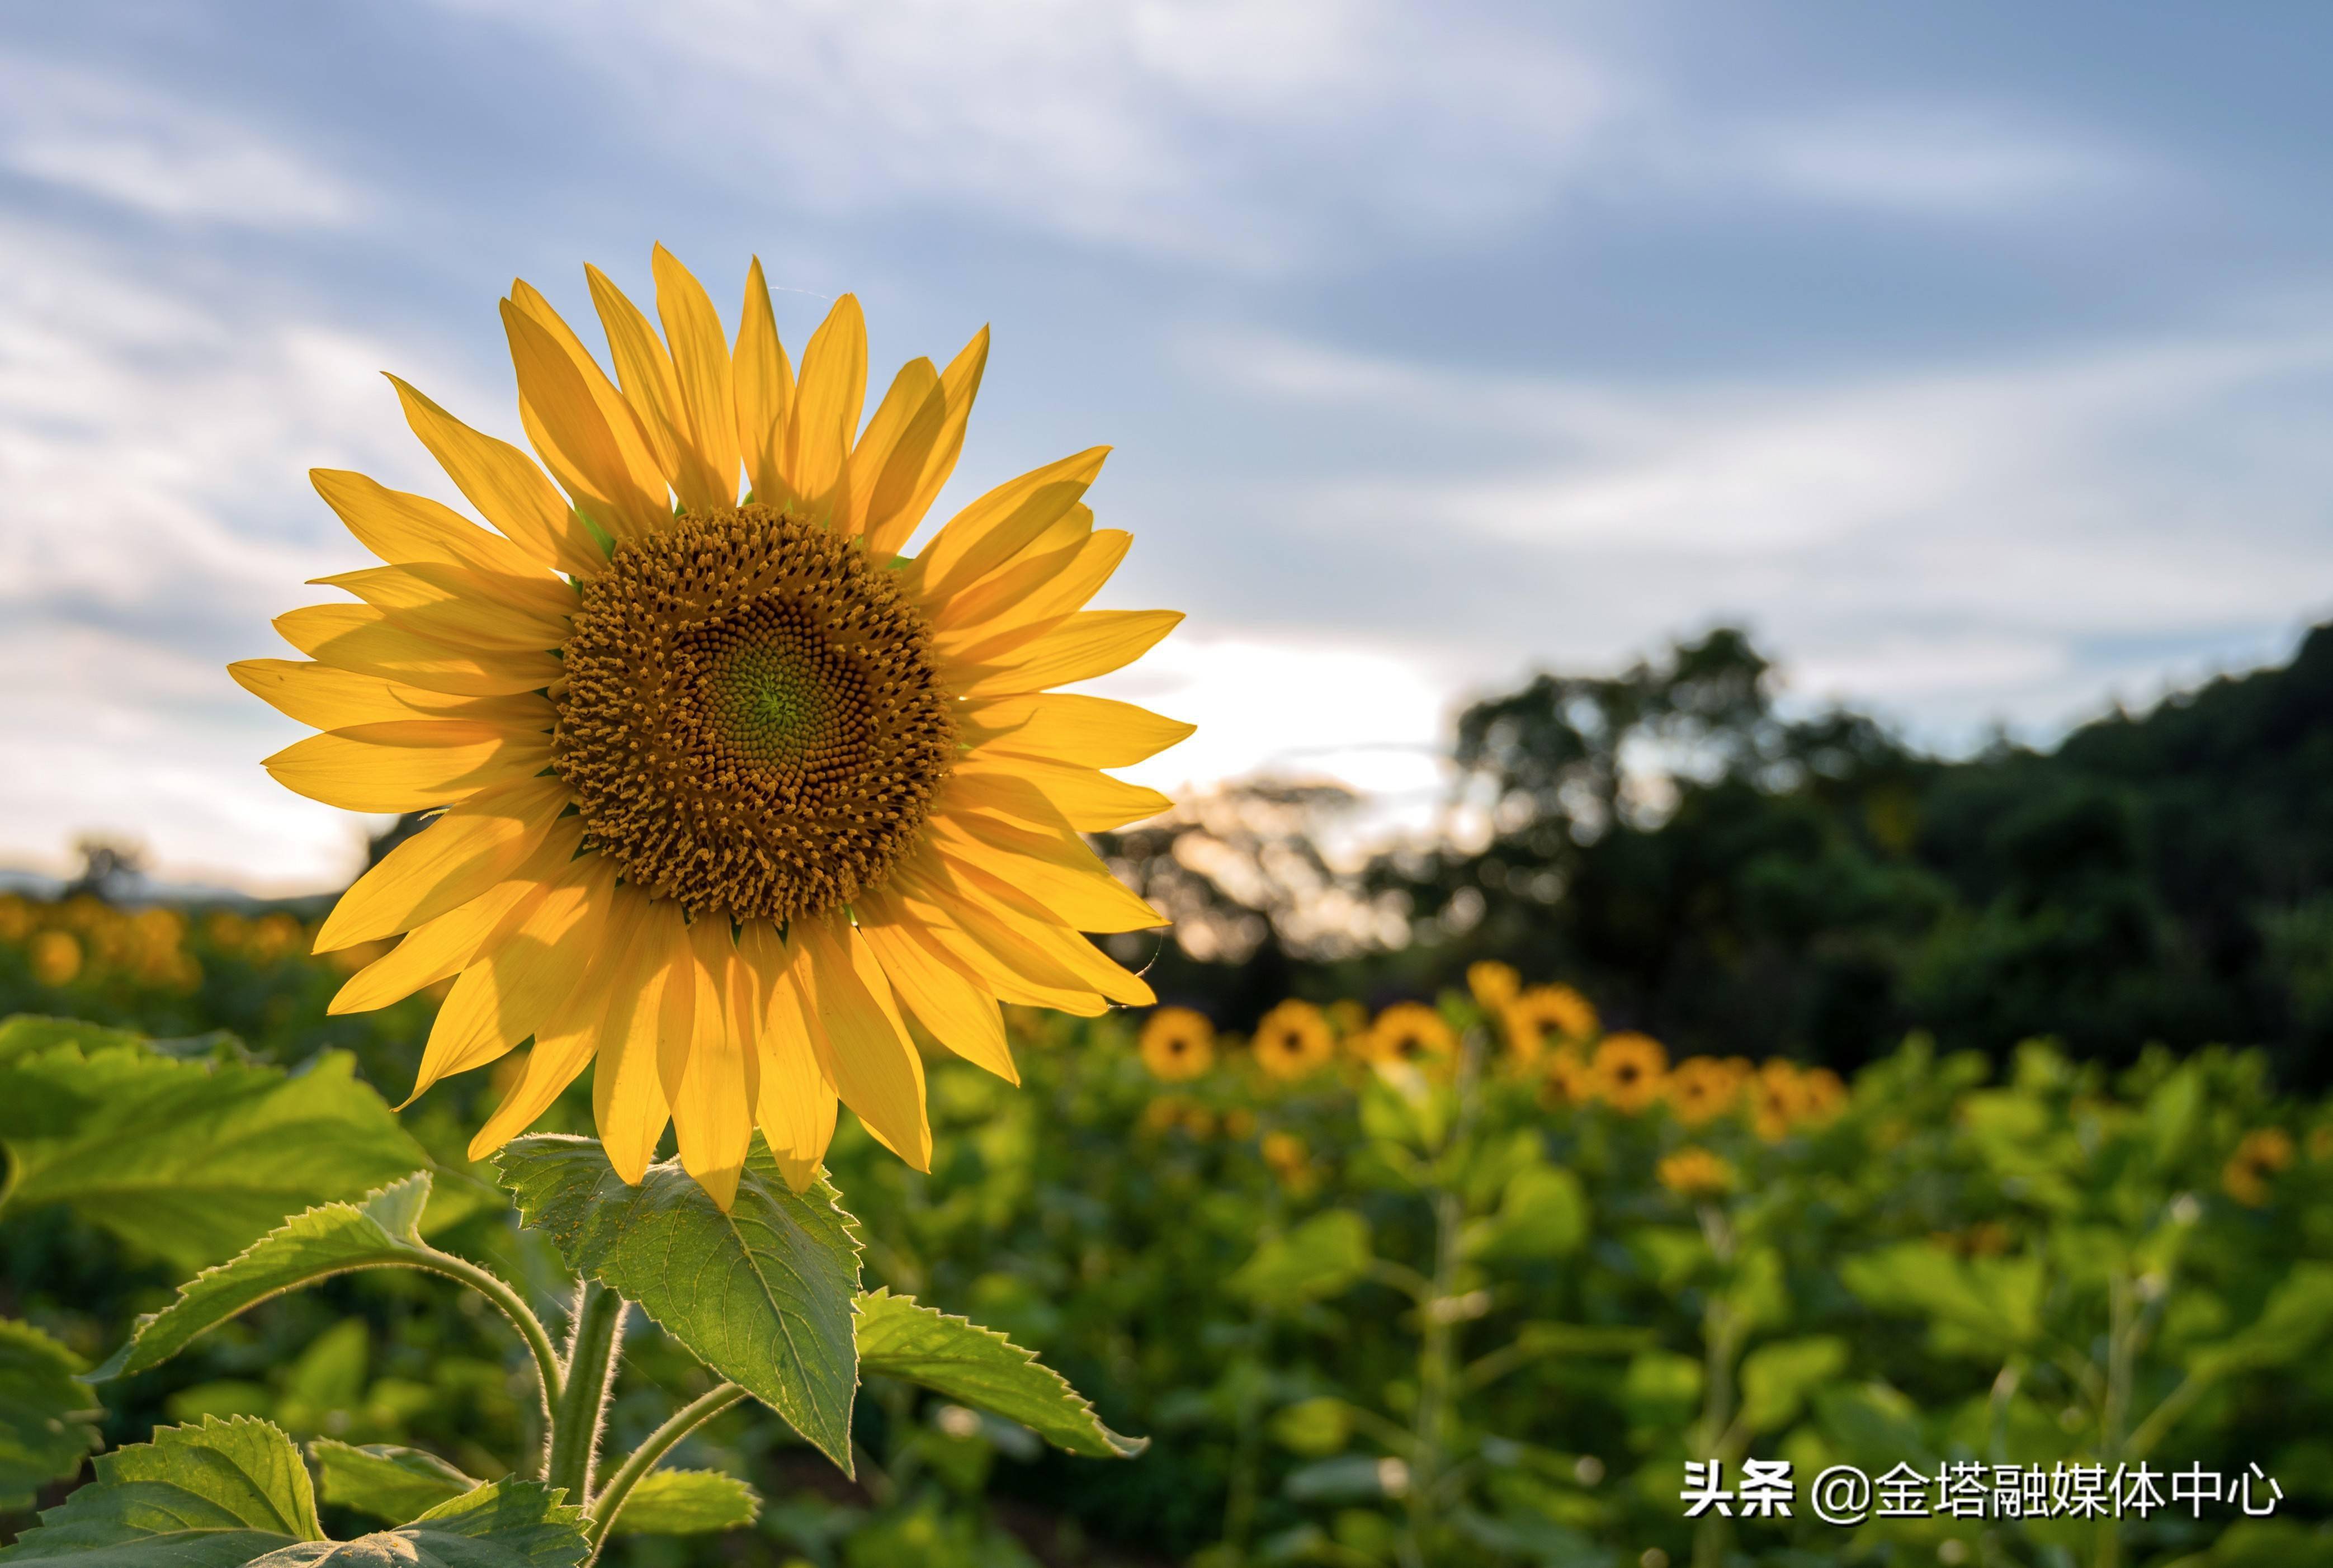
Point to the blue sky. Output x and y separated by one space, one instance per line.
1978 356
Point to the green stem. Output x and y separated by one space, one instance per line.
582 1408
1438 1366
548 1376
684 1420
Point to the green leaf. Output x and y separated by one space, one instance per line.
686 1503
2296 1316
222 1493
26 1033
1322 1257
1977 1306
330 1239
1776 1379
761 1294
1542 1213
978 1366
191 1159
508 1525
46 1414
385 1480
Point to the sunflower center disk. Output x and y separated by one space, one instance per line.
753 721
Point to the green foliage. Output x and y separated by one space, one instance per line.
508 1525
224 1492
45 1413
187 1159
386 1480
687 1503
1323 1256
763 1295
899 1338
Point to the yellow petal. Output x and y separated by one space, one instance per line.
700 363
436 949
998 526
794 1102
644 475
369 641
900 435
406 765
455 859
1042 606
827 403
399 527
960 619
1091 801
651 996
646 371
454 605
564 1043
323 698
1004 822
1070 727
1008 920
959 1015
506 487
528 967
766 392
863 1047
569 425
900 501
1089 643
1018 963
705 1077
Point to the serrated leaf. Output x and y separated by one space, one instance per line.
331 1238
192 1159
45 1413
686 1503
1323 1256
761 1294
901 1339
385 1480
26 1033
508 1525
222 1493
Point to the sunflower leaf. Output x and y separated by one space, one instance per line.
899 1338
330 1239
222 1493
45 1413
506 1524
190 1160
761 1294
386 1481
686 1503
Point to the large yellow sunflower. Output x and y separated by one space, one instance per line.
730 788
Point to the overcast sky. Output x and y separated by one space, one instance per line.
1978 356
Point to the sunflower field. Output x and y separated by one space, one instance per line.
1462 1279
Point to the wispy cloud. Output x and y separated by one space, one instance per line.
118 140
1943 160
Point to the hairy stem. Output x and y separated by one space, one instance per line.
582 1408
684 1420
549 1376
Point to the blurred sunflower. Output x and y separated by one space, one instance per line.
1545 1014
1493 983
1409 1032
1822 1095
731 789
2260 1154
1703 1089
1287 1156
1778 1098
1294 1040
1177 1044
1568 1077
1630 1069
1693 1171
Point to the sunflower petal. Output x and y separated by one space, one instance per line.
456 606
959 1015
866 1052
651 998
998 526
506 487
569 425
564 1043
1090 800
644 473
434 950
455 859
645 371
369 641
1004 919
704 1072
1089 643
1070 727
826 408
401 528
1043 606
700 363
406 765
766 392
901 500
323 698
899 437
794 1102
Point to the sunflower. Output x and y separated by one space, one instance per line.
729 789
1543 1014
1630 1069
1294 1040
1693 1171
1569 1079
1778 1098
1493 983
1409 1032
1177 1044
2260 1154
1287 1156
1702 1088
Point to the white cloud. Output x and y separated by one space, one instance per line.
111 137
1957 161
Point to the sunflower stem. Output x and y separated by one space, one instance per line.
549 1376
1437 1360
580 1416
684 1420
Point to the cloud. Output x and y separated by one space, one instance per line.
1956 160
114 139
